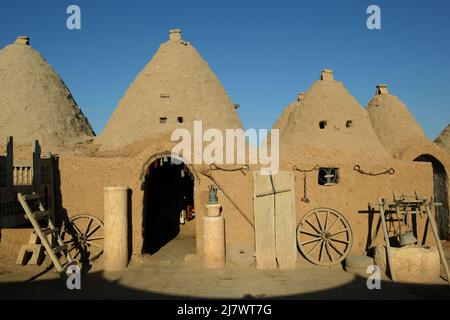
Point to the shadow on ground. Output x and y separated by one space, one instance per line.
96 286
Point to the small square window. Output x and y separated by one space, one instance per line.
162 120
322 124
328 176
349 124
180 119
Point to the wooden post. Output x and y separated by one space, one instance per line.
386 238
9 164
36 164
434 228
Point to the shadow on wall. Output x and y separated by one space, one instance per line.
95 286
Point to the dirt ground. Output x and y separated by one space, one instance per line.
165 275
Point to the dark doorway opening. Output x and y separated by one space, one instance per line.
440 193
168 201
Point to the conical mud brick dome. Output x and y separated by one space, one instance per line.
394 124
284 117
175 89
443 140
329 124
35 103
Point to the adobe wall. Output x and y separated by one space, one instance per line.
354 191
83 179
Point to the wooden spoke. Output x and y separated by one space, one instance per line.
310 241
327 247
316 235
339 232
315 246
312 226
321 252
77 229
341 241
326 220
93 231
334 223
88 226
94 244
93 239
318 221
336 248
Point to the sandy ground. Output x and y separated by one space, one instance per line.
165 275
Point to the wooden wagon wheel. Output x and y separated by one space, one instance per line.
84 237
324 237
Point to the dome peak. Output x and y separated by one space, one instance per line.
23 40
175 34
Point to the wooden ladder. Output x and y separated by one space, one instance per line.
49 236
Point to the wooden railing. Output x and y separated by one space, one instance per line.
22 173
32 175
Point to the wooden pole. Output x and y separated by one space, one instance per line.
438 242
386 238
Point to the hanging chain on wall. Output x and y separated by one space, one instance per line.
357 168
243 169
305 196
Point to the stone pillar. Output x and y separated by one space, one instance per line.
213 238
116 228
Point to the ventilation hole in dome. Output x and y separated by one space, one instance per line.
180 119
349 124
162 120
322 124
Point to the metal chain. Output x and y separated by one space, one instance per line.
244 169
316 167
357 168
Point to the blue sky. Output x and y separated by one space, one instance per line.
263 52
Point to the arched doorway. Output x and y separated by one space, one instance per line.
168 201
440 193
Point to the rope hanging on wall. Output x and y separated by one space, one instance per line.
316 167
357 168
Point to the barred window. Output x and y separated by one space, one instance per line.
328 176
